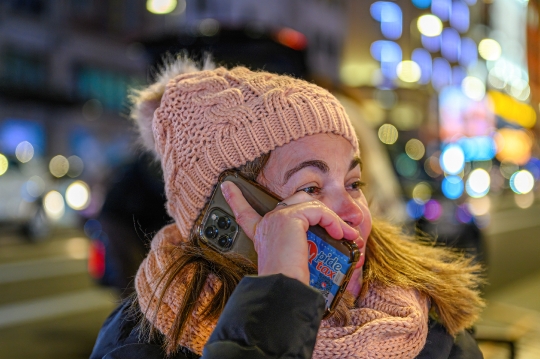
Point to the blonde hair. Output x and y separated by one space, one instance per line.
448 277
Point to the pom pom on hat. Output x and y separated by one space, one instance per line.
144 102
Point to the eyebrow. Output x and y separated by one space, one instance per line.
321 165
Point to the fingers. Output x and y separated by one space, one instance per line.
245 215
317 213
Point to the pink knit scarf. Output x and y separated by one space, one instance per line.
387 323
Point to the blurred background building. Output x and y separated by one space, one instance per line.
444 95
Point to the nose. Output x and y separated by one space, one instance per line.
347 209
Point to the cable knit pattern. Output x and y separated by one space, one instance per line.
389 322
210 121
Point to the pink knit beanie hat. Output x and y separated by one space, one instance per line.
201 122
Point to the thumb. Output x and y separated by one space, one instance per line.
245 215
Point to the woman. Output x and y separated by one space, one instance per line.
405 299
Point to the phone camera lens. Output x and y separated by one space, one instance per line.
224 222
211 232
225 241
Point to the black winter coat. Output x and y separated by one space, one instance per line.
266 317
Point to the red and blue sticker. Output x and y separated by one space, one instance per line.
327 267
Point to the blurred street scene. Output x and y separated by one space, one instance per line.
444 95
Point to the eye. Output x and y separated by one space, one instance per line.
357 185
311 190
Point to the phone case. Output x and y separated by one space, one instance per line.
331 261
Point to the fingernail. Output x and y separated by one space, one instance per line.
225 189
361 261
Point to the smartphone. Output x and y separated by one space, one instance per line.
330 261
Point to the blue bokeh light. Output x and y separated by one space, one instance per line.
442 74
459 16
423 58
389 54
432 44
421 4
450 44
441 8
415 210
458 74
390 16
469 52
478 148
452 187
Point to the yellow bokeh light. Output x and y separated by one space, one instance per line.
473 88
489 49
479 206
161 7
53 203
512 110
388 134
408 71
524 200
415 149
513 146
24 151
78 195
429 25
59 166
422 192
4 164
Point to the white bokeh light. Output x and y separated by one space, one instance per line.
522 182
452 159
429 25
478 183
78 195
53 202
473 88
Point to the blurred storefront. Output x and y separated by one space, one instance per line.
451 87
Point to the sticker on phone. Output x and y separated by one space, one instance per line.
327 267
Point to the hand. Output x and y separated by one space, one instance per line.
279 237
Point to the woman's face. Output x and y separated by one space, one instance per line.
326 167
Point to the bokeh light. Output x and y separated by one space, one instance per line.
423 58
390 16
433 167
522 182
421 4
161 7
429 25
479 206
53 203
524 200
459 16
405 166
414 210
452 187
508 168
469 52
489 49
478 183
473 88
452 159
388 134
513 145
4 164
24 151
442 8
432 210
76 166
59 166
35 186
462 213
415 149
450 44
408 71
78 195
421 192
442 73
